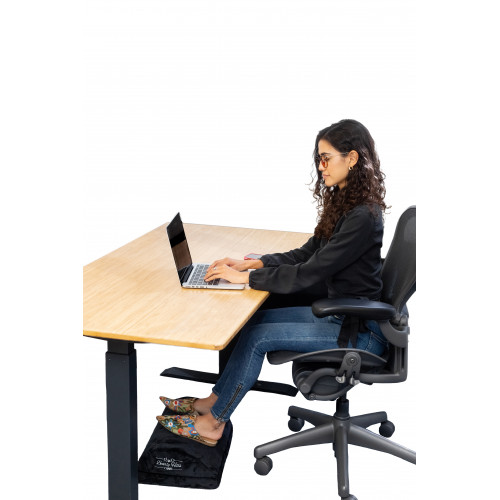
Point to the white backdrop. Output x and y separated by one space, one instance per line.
212 109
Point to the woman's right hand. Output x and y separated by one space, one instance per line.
237 265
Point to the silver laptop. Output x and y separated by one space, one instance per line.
191 275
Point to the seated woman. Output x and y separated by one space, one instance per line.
344 252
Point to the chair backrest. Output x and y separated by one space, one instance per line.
399 269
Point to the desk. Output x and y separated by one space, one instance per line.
133 295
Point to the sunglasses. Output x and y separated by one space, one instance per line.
324 158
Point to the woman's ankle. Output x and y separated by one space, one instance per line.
204 405
208 426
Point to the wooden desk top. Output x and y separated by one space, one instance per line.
134 293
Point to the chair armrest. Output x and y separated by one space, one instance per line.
362 308
369 359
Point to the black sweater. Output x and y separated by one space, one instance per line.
349 261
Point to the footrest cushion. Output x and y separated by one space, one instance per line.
171 460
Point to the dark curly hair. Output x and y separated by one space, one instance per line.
364 183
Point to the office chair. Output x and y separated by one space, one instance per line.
328 375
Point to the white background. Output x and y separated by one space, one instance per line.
133 110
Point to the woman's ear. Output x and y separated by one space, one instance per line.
353 158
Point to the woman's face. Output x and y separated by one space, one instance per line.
337 165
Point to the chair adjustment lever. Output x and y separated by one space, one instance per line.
350 366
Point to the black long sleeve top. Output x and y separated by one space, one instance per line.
349 261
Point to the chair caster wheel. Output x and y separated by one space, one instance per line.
295 424
263 466
386 429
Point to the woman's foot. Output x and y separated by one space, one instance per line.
204 405
190 405
202 428
208 426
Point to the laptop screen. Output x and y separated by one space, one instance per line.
180 249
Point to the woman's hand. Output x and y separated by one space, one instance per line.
230 269
237 265
227 273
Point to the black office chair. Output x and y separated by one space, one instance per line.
329 375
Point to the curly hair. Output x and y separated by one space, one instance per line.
364 183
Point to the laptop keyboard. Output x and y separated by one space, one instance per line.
199 273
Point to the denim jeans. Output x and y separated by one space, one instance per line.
290 329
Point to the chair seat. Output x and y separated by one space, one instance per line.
314 374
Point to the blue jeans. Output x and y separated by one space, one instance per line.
290 329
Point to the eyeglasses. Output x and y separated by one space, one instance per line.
323 160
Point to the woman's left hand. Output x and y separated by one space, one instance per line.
226 273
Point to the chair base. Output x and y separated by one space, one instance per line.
339 430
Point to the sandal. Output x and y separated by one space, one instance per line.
183 425
180 406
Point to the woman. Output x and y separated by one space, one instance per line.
344 252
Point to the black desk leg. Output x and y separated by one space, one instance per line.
121 400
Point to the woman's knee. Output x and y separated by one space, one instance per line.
253 339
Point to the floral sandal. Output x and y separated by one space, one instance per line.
183 425
180 406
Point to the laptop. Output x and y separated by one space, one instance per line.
191 275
